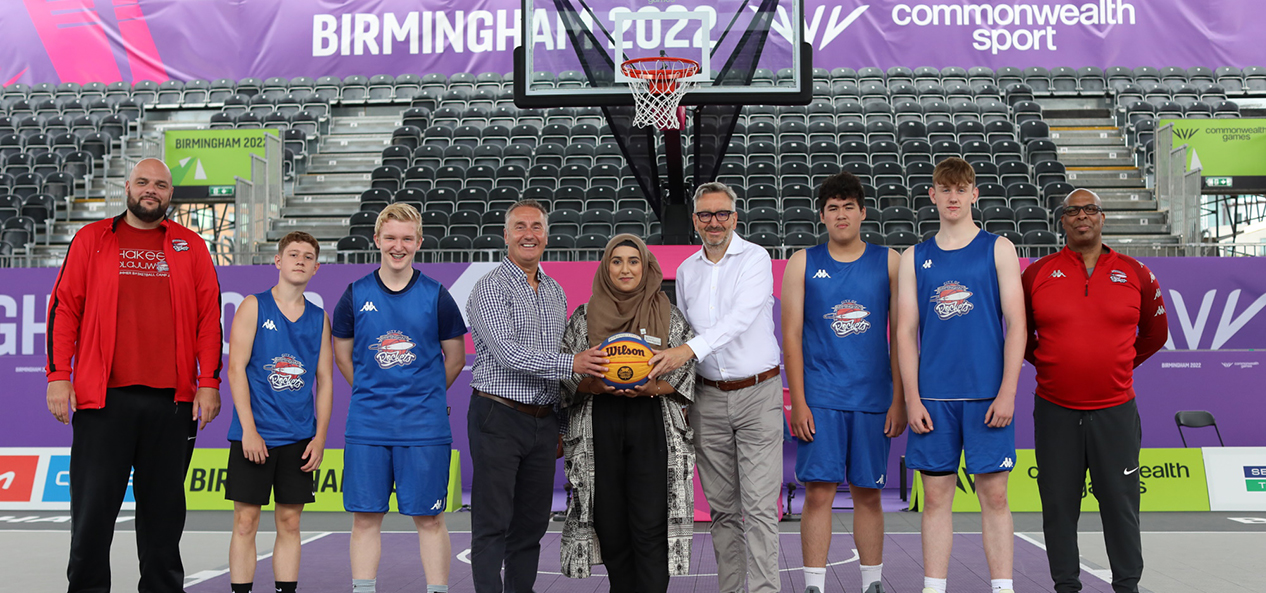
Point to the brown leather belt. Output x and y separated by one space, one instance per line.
529 409
741 383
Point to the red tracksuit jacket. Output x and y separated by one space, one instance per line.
1088 333
83 312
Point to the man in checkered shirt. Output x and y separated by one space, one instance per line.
517 315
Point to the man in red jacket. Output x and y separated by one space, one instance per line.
134 347
1093 316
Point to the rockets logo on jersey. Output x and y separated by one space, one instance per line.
951 300
286 372
394 349
1118 276
848 318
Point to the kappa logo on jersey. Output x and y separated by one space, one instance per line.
368 306
849 317
821 274
268 324
951 300
1158 294
179 245
1058 274
1159 311
439 504
1007 463
927 264
394 349
880 481
285 373
1118 276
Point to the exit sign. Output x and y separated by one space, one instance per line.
220 190
1217 181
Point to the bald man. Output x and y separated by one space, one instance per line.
1093 316
134 352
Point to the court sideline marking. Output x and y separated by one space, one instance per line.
207 575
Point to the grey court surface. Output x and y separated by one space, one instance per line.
1185 552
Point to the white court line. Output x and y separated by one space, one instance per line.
464 556
1102 574
207 575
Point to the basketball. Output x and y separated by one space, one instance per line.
629 357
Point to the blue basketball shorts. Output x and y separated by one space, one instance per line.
959 427
419 475
847 446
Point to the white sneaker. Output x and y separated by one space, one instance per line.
929 590
1006 591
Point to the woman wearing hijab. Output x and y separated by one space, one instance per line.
629 455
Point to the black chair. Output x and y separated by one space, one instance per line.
1196 419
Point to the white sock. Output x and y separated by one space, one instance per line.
871 574
937 585
364 585
1000 584
815 577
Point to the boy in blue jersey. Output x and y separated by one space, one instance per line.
838 300
279 357
399 341
960 364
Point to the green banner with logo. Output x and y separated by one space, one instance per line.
1222 147
208 472
1169 480
212 157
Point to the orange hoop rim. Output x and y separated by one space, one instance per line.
688 67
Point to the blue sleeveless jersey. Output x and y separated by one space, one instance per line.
960 320
398 387
281 373
845 339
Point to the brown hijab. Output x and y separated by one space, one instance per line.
612 311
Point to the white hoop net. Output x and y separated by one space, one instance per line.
657 88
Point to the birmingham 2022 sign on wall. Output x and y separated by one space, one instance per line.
106 41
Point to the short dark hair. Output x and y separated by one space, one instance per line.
841 186
298 237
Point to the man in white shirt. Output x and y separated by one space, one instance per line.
726 293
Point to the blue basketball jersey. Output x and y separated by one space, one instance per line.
281 373
845 339
960 320
398 387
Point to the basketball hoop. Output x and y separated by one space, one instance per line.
658 84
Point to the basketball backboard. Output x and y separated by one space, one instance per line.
749 52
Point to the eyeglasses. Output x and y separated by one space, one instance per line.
1089 209
721 216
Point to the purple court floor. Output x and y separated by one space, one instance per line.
325 567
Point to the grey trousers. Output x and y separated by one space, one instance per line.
738 441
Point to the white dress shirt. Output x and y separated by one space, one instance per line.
730 305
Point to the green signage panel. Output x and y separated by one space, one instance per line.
1169 480
208 470
1222 147
212 157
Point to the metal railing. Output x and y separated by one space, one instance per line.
258 202
1177 189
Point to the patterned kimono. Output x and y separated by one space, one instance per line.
580 547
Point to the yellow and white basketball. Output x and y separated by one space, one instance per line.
629 358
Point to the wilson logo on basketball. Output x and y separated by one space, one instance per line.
285 373
624 350
394 349
849 318
951 300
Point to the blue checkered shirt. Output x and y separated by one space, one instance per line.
517 332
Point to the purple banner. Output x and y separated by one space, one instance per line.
109 40
1216 360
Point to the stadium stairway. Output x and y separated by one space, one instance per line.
1091 146
329 192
